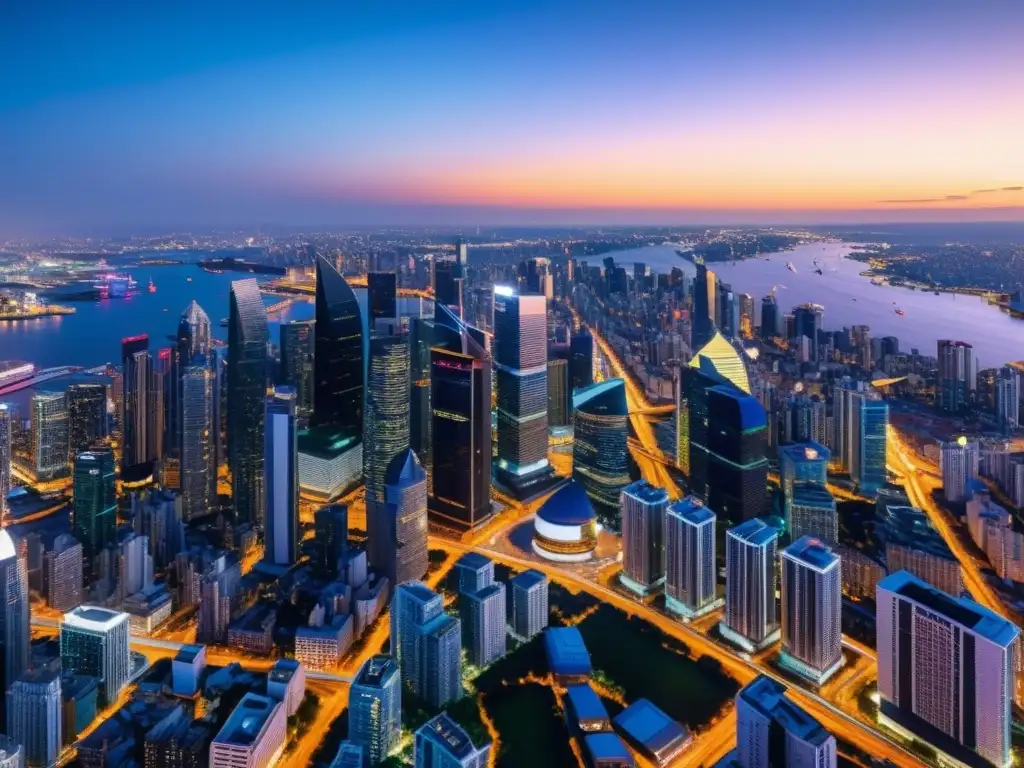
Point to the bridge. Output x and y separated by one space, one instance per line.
39 377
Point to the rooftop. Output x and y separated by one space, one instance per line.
607 746
418 591
643 491
808 451
94 618
247 721
569 505
909 527
566 652
754 531
404 469
474 561
324 442
586 703
719 359
284 670
768 697
528 579
489 591
649 726
812 495
376 671
970 614
751 412
446 730
188 653
607 398
812 552
692 510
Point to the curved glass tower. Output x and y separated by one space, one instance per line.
600 455
338 354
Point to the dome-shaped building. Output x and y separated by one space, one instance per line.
565 527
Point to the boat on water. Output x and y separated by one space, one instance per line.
152 286
899 312
188 279
877 281
790 267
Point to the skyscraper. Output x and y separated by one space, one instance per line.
1007 398
49 426
94 641
297 363
193 333
813 512
643 532
386 435
460 383
807 319
247 388
690 558
956 376
339 357
5 459
198 461
136 365
62 573
447 283
475 572
34 715
946 670
559 393
87 417
736 448
405 512
281 467
958 462
751 619
529 603
426 643
811 608
703 307
773 731
581 360
803 472
870 420
442 743
375 708
600 453
483 619
14 611
769 318
331 533
520 364
421 339
95 501
382 294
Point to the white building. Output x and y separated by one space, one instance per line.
94 641
253 737
811 610
690 558
281 483
529 604
751 618
287 683
959 464
483 615
643 537
762 710
948 664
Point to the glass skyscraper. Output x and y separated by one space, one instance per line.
247 390
870 441
297 363
751 617
198 465
382 295
339 357
375 708
5 459
405 515
600 453
94 641
690 558
704 295
14 612
49 427
87 417
811 609
581 359
281 468
135 424
95 501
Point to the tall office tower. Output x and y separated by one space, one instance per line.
475 572
811 606
483 620
94 641
385 436
690 558
958 462
198 466
405 514
813 512
581 360
600 451
460 392
382 291
62 573
520 364
869 415
643 543
95 501
462 253
737 465
447 284
137 365
339 356
773 731
442 743
163 377
803 471
281 468
87 417
5 459
194 337
247 391
14 611
421 339
375 708
34 716
49 427
297 363
1007 399
751 619
807 318
529 604
946 670
559 394
254 735
704 294
769 318
747 320
956 376
426 643
330 524
135 565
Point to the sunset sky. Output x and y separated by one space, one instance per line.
115 116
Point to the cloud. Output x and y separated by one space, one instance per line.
917 200
1012 189
949 198
957 197
983 191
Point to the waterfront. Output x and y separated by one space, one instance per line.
851 299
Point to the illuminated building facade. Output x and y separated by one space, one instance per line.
600 454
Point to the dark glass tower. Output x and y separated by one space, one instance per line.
382 292
338 362
421 339
703 326
297 363
581 360
737 441
95 501
448 284
600 453
246 394
135 424
87 416
460 384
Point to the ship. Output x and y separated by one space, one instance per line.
899 312
13 372
790 267
152 286
230 263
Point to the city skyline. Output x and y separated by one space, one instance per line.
908 116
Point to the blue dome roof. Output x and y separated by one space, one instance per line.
569 505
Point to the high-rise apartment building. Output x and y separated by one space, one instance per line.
483 620
375 708
247 391
690 558
813 512
34 716
14 620
751 615
773 731
520 365
946 671
197 452
529 604
803 463
1007 399
600 452
62 573
475 572
811 610
137 367
95 501
958 463
339 356
427 643
404 534
87 417
956 381
442 743
643 537
867 425
297 363
49 432
281 469
94 641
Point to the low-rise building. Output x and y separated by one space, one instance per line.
584 711
253 631
187 669
653 733
322 648
148 609
254 735
568 657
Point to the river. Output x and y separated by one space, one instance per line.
851 299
